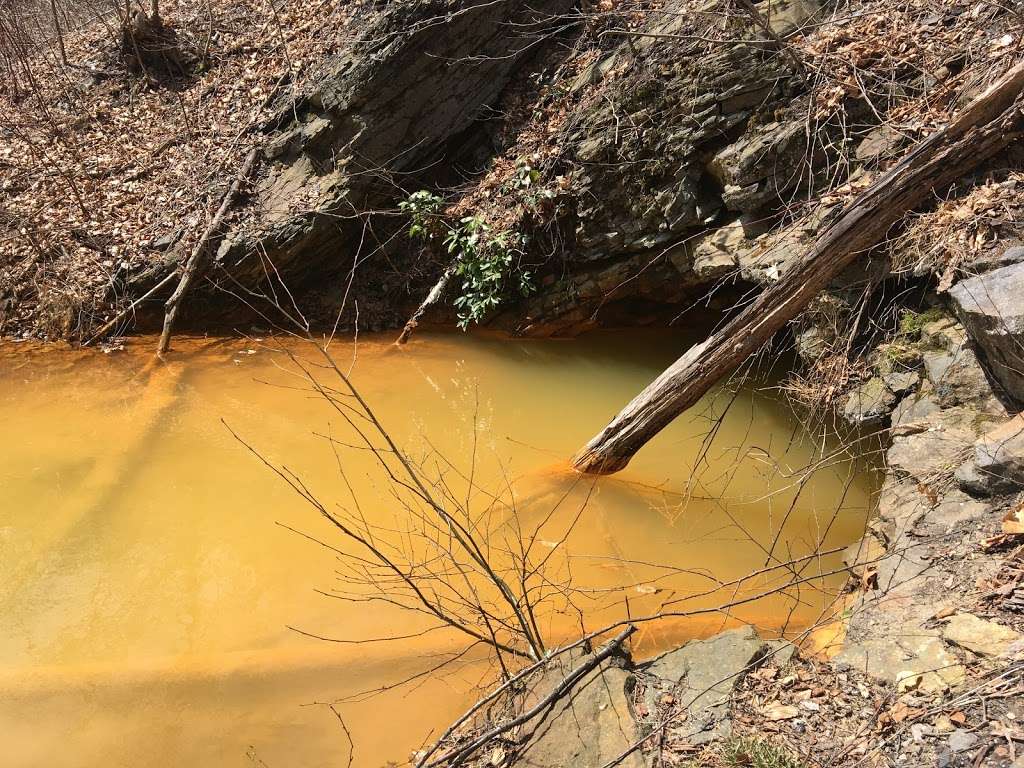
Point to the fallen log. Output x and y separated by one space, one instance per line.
987 125
197 259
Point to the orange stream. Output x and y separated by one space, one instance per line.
147 590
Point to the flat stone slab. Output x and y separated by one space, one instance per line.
933 443
700 677
910 657
954 509
590 727
985 638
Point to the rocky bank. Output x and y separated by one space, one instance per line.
636 163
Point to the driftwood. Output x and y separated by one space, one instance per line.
197 259
989 124
432 298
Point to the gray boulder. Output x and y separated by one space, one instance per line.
997 464
991 308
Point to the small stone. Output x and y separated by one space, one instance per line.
961 740
919 731
907 680
869 404
899 383
880 143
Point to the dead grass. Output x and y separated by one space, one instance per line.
947 240
752 752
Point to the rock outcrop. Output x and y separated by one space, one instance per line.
989 306
680 143
423 74
997 463
674 171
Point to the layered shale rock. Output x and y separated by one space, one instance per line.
383 110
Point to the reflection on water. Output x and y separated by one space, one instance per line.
148 592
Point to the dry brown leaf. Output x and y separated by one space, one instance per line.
779 711
1013 523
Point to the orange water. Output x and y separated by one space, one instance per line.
147 590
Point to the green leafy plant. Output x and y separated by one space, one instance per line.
525 185
487 263
526 176
424 208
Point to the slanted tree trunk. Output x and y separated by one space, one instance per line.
432 298
197 261
990 123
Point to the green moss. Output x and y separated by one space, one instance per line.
903 356
912 322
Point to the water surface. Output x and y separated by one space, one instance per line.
151 597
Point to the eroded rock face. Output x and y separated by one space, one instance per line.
423 74
989 306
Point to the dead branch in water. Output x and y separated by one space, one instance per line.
432 298
989 124
460 754
124 313
197 260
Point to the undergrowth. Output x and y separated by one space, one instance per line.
746 752
487 262
911 323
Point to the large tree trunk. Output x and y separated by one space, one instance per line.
987 125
